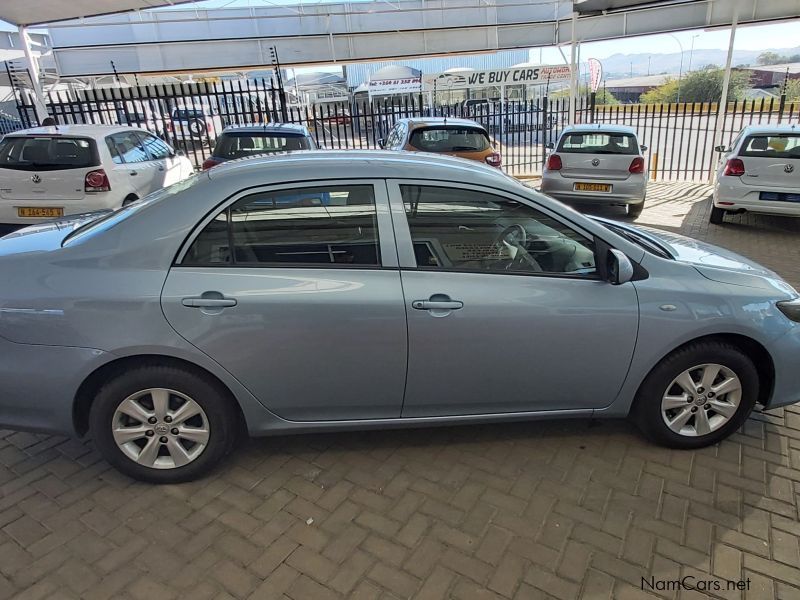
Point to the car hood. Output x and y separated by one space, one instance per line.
712 262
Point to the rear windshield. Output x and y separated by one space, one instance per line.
240 145
42 153
450 139
599 143
772 146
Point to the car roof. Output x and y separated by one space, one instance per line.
784 128
294 128
433 121
603 127
358 164
91 131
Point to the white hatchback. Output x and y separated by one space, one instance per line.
50 172
760 173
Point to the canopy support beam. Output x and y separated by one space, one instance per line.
39 102
722 107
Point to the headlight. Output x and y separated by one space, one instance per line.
791 308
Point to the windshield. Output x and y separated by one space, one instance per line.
240 145
772 146
47 153
108 220
450 139
599 143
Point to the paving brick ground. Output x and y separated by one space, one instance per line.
536 510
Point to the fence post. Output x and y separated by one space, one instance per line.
545 126
592 104
782 105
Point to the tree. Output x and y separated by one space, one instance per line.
793 89
769 58
704 85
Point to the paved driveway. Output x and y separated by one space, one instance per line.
534 510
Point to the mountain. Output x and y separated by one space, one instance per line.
620 65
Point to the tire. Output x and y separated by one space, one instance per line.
635 210
717 216
197 127
650 415
157 462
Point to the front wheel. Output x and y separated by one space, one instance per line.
162 424
697 396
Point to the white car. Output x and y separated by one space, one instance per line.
50 172
760 173
197 122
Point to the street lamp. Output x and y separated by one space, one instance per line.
680 71
691 51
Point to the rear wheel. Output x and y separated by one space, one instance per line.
129 200
162 424
697 396
717 215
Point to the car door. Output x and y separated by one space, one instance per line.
132 161
295 291
506 312
168 166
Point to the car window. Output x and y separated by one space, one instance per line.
43 153
393 138
127 147
599 143
156 148
456 229
772 146
450 139
240 145
314 226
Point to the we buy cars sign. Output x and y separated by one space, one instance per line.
387 87
497 77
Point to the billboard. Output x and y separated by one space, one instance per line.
535 75
387 87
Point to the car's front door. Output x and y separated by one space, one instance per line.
506 312
295 291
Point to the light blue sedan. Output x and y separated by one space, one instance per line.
353 290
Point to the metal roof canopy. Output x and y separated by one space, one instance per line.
37 12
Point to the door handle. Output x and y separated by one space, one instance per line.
202 302
437 304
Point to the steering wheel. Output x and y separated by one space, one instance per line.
515 238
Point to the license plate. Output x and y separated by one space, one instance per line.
592 187
40 212
779 197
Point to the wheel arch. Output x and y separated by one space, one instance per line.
87 391
753 349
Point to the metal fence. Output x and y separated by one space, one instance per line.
190 116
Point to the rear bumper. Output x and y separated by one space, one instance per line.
625 191
38 385
738 197
98 201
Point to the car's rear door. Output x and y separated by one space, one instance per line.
295 291
492 329
132 162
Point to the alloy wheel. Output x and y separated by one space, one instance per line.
160 428
701 400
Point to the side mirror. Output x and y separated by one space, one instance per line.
620 269
720 148
550 146
643 148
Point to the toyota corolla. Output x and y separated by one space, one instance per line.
355 290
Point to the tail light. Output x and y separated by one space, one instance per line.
96 181
553 163
637 165
734 167
210 162
494 159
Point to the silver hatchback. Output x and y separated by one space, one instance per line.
597 164
355 290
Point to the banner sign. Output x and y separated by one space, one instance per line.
387 87
595 74
497 77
